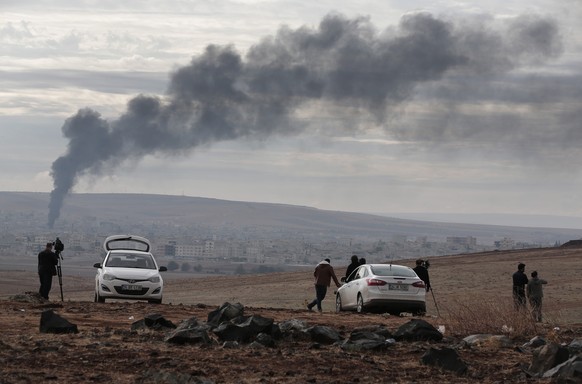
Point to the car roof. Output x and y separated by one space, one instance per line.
126 242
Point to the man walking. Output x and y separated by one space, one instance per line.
519 282
47 260
535 293
323 274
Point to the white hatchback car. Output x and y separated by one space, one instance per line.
129 271
382 287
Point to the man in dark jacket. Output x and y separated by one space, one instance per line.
352 267
323 274
47 261
519 283
422 272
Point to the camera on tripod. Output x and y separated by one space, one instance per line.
58 245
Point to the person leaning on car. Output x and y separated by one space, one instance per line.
47 261
323 274
422 272
352 267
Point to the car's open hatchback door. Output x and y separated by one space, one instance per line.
129 242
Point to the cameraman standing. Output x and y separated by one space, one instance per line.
422 272
47 261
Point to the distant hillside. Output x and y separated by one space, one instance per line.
156 210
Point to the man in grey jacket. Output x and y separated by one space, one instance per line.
535 293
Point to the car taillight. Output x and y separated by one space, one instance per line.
419 284
375 282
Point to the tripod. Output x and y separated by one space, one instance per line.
60 273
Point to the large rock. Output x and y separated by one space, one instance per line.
569 371
365 340
547 357
417 330
445 358
225 312
323 334
50 322
243 329
190 331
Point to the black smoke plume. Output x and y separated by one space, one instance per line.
342 63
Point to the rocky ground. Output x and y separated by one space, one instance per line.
107 350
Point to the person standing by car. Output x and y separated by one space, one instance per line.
47 261
323 274
519 283
422 272
352 267
535 293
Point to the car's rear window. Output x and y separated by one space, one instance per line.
130 261
392 270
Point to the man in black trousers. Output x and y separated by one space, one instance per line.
47 261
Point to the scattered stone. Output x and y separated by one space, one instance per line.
417 330
575 346
28 297
487 340
536 342
265 340
377 329
153 321
445 358
50 322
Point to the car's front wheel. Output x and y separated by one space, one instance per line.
360 306
99 299
338 303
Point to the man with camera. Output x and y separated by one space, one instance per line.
421 270
47 262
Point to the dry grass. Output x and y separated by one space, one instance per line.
487 316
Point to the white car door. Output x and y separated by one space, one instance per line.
349 298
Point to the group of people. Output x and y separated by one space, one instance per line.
530 288
324 274
523 288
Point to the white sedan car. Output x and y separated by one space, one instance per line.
129 271
382 287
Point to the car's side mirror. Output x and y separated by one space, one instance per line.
343 279
97 265
163 269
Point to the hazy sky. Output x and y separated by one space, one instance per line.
371 106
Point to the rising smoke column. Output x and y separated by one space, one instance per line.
344 62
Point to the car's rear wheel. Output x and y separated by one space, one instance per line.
360 307
338 303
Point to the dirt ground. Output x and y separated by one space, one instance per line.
106 350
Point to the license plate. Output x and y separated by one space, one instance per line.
398 287
131 287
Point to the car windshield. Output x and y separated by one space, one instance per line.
392 270
127 260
